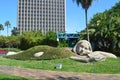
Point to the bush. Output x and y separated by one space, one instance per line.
63 43
30 39
49 53
50 39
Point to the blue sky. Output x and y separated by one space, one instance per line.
75 18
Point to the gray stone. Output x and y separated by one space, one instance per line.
38 54
82 47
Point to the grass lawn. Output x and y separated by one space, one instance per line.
10 77
111 66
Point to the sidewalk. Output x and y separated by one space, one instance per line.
55 75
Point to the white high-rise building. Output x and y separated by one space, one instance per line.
44 15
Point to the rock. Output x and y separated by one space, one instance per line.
38 54
106 54
11 53
82 47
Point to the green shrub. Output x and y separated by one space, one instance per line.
63 43
50 39
49 53
30 39
14 49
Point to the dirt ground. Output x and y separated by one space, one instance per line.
55 75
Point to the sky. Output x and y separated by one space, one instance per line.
75 15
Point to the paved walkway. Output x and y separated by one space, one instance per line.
55 75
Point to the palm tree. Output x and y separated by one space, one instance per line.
85 5
7 23
1 27
15 31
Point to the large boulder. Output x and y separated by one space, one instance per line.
82 47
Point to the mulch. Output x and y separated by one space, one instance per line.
55 75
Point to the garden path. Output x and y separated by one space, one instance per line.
55 75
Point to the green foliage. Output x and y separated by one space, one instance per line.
30 39
62 43
104 30
13 41
1 27
15 31
85 5
50 39
34 38
2 41
49 53
10 41
7 23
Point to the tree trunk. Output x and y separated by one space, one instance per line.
7 30
87 25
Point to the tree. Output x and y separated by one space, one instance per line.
106 34
30 39
15 31
50 39
85 5
1 27
7 23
